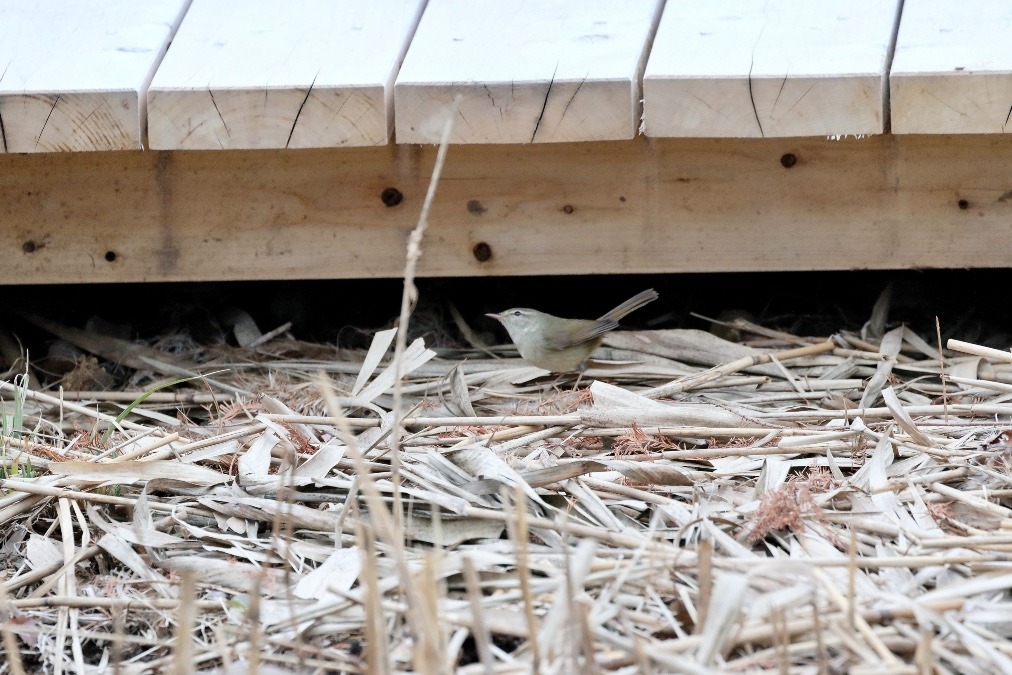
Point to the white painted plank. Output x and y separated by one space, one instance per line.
73 74
952 71
528 71
280 74
760 68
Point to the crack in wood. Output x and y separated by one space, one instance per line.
800 99
309 91
548 93
46 123
337 113
751 97
488 92
460 113
3 132
223 123
570 101
751 65
781 91
953 109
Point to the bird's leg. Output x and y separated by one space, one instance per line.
557 382
579 377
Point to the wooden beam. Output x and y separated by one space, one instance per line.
762 68
528 72
952 72
281 74
679 205
73 74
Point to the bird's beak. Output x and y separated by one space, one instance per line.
495 316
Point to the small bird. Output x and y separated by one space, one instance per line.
562 345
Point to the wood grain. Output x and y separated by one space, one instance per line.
674 205
527 72
281 74
73 74
762 68
952 71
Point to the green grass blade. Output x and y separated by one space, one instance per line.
140 399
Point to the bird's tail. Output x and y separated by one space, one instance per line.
631 305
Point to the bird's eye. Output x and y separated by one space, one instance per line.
517 313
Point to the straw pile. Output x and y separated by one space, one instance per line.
830 504
815 505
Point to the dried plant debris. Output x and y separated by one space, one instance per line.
811 505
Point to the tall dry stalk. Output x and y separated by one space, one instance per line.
408 298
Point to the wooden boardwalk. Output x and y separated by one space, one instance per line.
218 139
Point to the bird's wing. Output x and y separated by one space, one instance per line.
578 334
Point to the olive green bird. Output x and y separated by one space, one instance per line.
563 345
